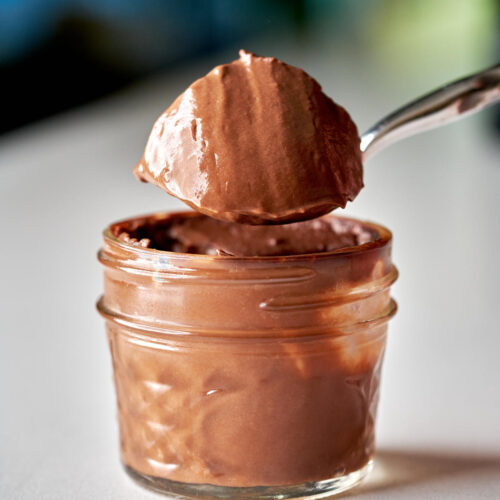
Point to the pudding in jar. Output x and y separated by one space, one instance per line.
246 358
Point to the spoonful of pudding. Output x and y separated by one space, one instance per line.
257 141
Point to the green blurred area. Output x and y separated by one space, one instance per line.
440 37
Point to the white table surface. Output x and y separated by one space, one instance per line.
63 180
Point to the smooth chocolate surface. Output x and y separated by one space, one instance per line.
255 141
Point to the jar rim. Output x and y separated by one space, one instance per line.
384 238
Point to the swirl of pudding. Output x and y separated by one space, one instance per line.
255 141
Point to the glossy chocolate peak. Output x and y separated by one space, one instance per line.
255 141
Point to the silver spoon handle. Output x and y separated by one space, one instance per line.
440 107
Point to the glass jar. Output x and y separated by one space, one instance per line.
246 377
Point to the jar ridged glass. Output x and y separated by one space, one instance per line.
247 377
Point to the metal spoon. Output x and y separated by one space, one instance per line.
444 105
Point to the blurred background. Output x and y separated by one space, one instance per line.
82 82
57 54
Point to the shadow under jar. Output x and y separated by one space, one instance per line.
246 377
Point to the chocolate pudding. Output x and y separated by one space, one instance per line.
255 141
246 356
197 233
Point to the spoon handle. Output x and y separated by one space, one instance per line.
444 105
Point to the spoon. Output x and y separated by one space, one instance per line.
444 105
264 145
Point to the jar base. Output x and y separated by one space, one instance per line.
310 490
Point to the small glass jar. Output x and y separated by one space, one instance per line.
246 377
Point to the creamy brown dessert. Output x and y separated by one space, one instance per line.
247 357
199 234
246 371
255 141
